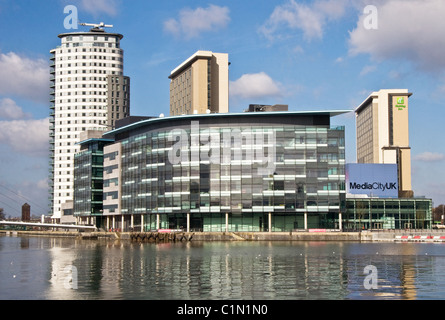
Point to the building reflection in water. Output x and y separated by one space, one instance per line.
237 270
61 272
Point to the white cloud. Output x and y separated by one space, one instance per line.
191 23
410 30
298 49
255 85
311 20
339 60
109 7
24 77
367 69
9 110
42 184
26 136
429 157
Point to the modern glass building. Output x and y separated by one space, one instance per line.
252 171
88 179
387 213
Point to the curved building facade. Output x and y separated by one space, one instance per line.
277 171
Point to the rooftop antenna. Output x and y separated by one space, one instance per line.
96 26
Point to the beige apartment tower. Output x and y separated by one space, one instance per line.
200 84
383 133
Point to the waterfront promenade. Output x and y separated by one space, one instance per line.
433 235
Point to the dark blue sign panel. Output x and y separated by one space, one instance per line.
374 180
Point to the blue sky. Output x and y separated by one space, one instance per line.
311 55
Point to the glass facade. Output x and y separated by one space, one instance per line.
381 213
214 172
88 179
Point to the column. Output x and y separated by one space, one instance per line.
122 223
157 221
227 222
270 222
305 221
339 222
188 221
142 223
132 221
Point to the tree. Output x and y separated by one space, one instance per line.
2 214
360 212
438 212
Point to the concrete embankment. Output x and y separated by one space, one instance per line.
244 236
196 236
300 236
372 236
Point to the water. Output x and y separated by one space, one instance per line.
40 268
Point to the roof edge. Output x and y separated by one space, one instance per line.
331 113
200 54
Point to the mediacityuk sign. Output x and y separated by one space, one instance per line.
374 180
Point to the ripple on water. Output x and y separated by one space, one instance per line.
220 270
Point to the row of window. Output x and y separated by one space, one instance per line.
90 38
90 64
84 107
79 122
70 79
386 205
99 100
101 50
91 71
95 44
83 85
82 93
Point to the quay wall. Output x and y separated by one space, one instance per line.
364 236
197 236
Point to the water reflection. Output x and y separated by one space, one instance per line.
75 269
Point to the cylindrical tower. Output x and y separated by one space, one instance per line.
80 70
